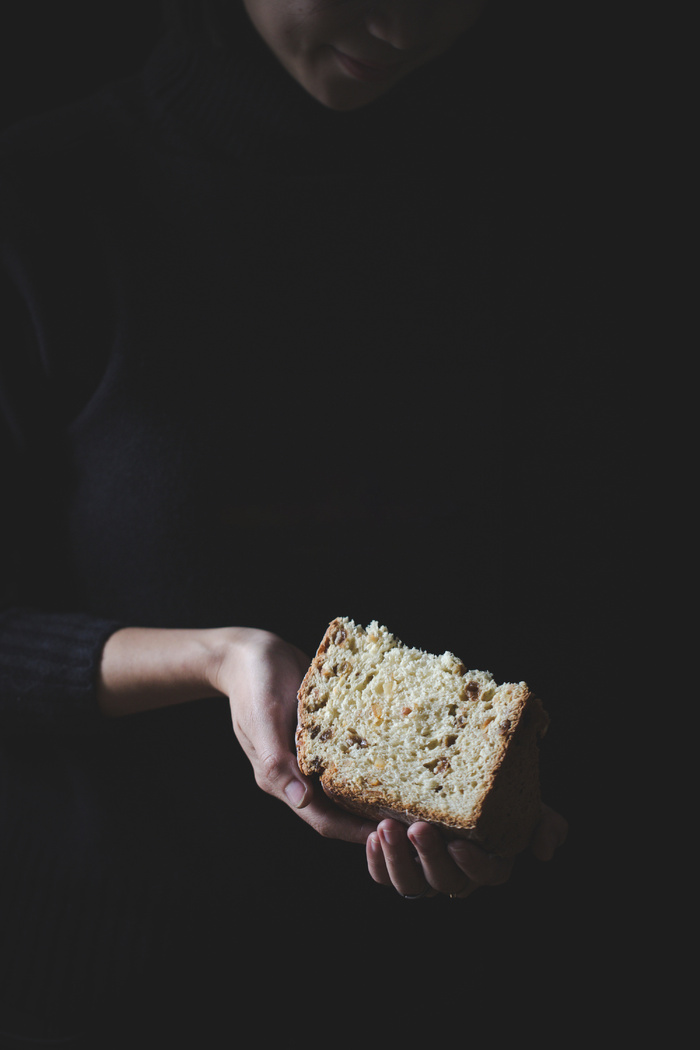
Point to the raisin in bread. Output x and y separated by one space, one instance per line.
395 731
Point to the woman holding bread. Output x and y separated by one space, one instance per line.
252 345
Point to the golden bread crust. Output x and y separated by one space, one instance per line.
366 712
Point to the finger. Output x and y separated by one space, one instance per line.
439 868
484 869
330 821
549 835
298 793
277 773
405 874
267 737
376 864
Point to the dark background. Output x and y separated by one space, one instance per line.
53 53
568 75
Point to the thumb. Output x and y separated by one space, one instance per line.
277 773
298 792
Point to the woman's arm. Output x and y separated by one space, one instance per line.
260 673
147 668
144 668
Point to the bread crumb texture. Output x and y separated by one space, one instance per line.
395 731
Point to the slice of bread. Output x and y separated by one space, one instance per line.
398 732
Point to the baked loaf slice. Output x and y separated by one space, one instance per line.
397 732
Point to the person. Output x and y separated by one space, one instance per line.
251 376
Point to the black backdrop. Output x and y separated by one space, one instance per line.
549 922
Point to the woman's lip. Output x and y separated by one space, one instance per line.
365 70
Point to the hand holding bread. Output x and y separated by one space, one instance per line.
368 710
444 758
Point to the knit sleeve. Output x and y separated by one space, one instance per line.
49 650
49 664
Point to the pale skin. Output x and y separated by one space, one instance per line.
345 54
147 668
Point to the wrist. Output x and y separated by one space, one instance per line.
145 668
224 651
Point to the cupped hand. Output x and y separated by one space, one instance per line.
261 673
418 862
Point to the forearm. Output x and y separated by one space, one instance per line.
144 668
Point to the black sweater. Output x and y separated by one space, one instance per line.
251 373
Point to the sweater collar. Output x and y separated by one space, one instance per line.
239 104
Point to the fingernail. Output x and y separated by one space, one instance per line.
420 837
296 793
390 834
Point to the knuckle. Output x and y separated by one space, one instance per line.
268 770
325 828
